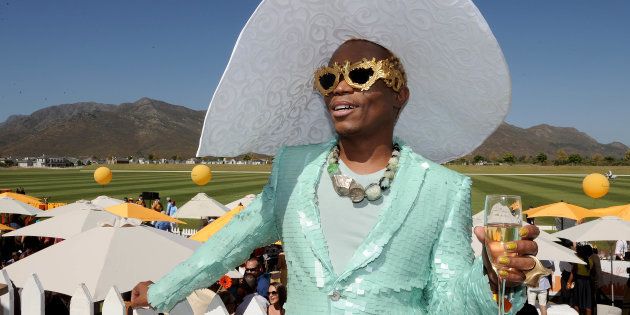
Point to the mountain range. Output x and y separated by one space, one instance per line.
149 126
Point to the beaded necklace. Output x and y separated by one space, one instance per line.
345 186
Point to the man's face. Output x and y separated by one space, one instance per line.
374 110
251 266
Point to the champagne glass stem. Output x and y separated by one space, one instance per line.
501 296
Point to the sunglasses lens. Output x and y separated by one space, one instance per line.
327 80
360 75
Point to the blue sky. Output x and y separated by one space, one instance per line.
569 59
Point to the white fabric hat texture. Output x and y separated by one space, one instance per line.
457 75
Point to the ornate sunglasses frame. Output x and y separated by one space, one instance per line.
360 75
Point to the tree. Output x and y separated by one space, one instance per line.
509 158
247 157
610 160
151 157
575 159
561 157
597 159
626 157
541 158
478 158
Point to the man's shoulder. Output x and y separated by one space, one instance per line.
437 171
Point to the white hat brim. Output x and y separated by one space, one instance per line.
457 76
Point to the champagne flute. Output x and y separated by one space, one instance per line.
502 222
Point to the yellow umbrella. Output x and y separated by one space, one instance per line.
23 198
136 211
216 225
559 209
622 212
5 228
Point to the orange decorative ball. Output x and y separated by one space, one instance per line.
595 185
201 175
103 175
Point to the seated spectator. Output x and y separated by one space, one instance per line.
277 298
249 287
141 201
163 225
228 300
255 268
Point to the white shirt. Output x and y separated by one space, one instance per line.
621 248
346 224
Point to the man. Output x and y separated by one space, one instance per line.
249 285
253 267
621 247
355 211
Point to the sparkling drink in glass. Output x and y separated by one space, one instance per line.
502 223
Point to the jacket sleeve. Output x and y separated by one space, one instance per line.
458 284
253 227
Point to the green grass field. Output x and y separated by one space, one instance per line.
232 182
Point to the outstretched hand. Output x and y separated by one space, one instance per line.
510 256
139 294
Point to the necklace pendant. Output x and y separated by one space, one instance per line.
373 192
357 193
342 183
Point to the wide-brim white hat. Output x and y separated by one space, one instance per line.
457 75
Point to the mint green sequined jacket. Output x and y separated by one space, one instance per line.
416 260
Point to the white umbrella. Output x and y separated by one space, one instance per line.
201 206
9 205
603 229
245 201
66 225
103 257
106 201
83 205
547 250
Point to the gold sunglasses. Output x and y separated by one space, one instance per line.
360 75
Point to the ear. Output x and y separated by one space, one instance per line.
401 98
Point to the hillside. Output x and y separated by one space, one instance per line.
149 126
141 128
547 139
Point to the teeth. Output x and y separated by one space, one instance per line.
342 107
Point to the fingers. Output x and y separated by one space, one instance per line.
512 277
139 294
480 233
518 263
529 232
521 248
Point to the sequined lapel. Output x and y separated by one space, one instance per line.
403 195
309 215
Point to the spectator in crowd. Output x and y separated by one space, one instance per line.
565 272
249 287
157 205
541 292
277 296
169 204
141 202
620 249
228 300
582 296
596 276
255 268
171 212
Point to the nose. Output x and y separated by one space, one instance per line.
342 87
